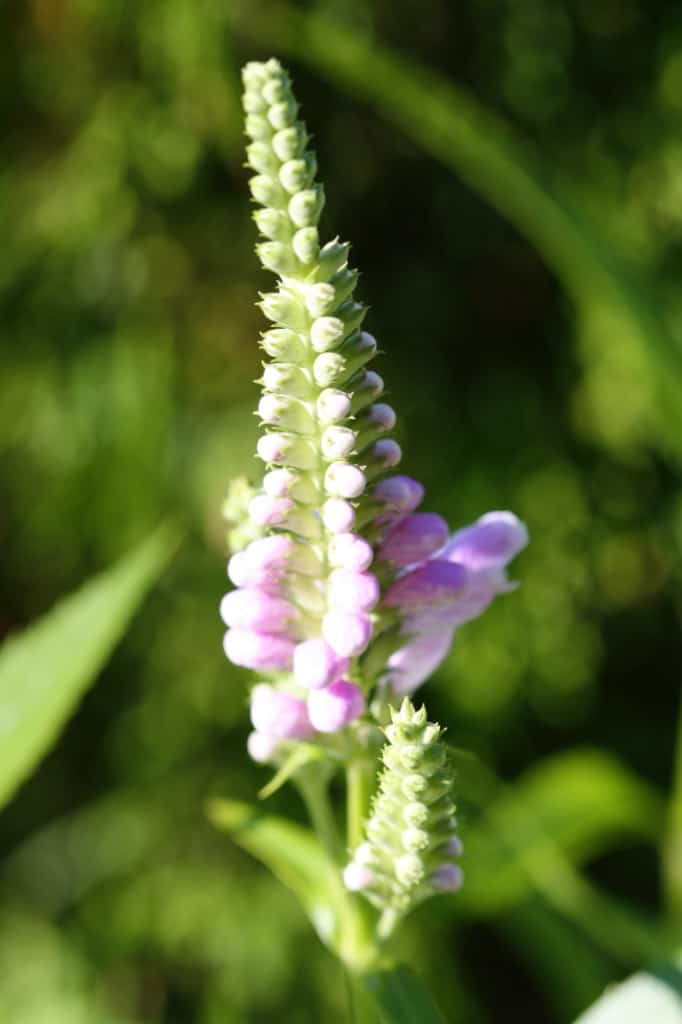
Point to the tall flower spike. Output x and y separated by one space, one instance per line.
323 432
411 843
342 585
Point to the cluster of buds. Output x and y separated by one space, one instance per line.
345 590
411 842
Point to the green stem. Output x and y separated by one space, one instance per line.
361 1006
359 786
672 850
314 791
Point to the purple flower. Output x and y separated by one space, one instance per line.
347 633
316 664
433 584
335 706
416 661
489 543
257 610
447 878
260 651
413 539
279 714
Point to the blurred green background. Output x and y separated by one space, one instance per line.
512 186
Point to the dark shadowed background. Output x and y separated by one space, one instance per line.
520 240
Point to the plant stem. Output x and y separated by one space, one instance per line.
672 850
314 791
359 783
361 1006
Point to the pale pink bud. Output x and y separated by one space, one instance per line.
357 877
489 543
279 714
264 651
414 538
335 706
262 748
257 610
348 551
353 591
261 562
432 584
344 480
348 633
267 511
333 406
337 515
278 482
316 664
447 878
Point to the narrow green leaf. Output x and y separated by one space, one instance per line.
652 997
301 755
401 997
294 855
45 670
581 803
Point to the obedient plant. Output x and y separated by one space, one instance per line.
346 598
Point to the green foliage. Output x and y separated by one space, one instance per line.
45 670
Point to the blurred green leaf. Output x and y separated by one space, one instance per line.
294 856
451 125
45 670
402 997
530 837
654 997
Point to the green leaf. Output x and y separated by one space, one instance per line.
46 669
652 997
301 755
581 803
294 855
401 997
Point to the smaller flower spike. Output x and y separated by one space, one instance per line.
410 836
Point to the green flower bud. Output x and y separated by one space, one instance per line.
288 378
289 143
335 368
320 299
266 191
333 256
280 343
273 224
258 127
276 90
365 387
344 282
352 313
306 206
254 103
277 257
285 307
306 245
408 845
289 413
262 159
296 175
255 75
283 115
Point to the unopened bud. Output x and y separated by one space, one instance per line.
306 206
337 442
296 175
306 245
332 406
288 143
320 299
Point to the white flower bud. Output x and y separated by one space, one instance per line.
277 257
285 307
326 332
344 480
258 127
288 378
266 191
262 159
296 175
287 412
337 442
283 115
283 344
333 405
409 869
275 91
